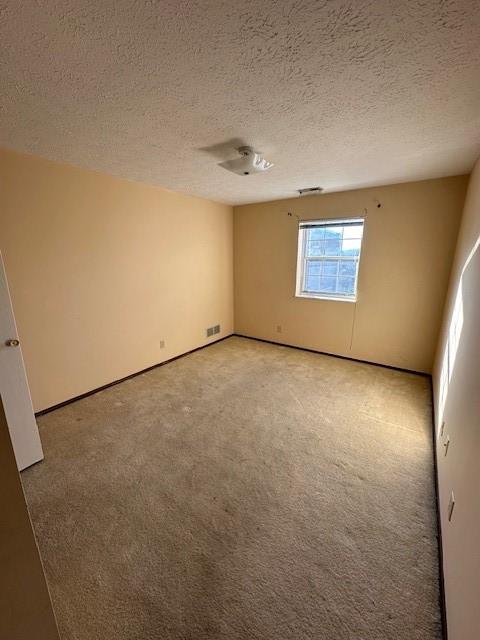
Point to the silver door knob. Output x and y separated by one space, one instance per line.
12 343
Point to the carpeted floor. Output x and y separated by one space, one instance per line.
246 491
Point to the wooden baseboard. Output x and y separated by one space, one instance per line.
131 375
335 355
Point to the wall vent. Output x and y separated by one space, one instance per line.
211 331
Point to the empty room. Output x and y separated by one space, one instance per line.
240 312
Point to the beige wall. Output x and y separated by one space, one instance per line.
406 258
101 269
457 403
25 608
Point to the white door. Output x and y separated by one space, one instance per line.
14 386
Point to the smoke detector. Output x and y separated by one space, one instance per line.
250 162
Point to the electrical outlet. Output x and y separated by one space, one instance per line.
451 505
446 444
162 344
279 328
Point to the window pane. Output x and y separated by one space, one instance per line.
328 284
333 277
334 233
348 268
313 268
329 267
333 247
345 284
316 234
312 283
351 247
315 248
353 231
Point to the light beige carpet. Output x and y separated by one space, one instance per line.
244 491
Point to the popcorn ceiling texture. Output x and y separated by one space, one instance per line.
341 94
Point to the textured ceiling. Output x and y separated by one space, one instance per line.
335 93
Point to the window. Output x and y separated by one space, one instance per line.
328 258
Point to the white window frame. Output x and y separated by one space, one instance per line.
300 290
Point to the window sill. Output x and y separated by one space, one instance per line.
313 296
